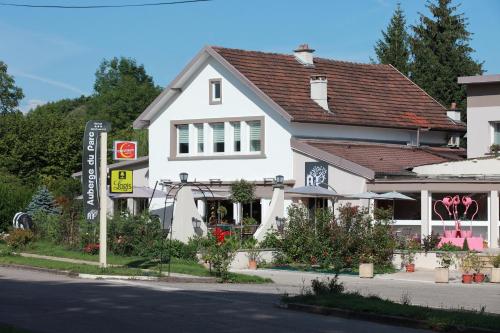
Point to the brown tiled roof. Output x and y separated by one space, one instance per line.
359 94
381 158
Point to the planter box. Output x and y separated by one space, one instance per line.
495 275
441 275
366 271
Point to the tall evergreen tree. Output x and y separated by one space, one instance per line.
393 48
441 52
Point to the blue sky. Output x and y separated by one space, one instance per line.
54 54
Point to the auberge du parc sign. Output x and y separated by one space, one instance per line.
90 167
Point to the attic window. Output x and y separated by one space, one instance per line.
215 91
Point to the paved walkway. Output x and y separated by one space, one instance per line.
418 288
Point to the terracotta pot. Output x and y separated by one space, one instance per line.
441 275
478 277
366 270
495 275
410 268
467 278
252 264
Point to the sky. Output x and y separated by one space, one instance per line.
54 53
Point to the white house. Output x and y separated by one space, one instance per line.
234 114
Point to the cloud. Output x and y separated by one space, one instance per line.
31 104
51 82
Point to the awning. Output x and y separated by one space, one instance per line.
312 192
394 196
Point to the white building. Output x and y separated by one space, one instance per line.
234 114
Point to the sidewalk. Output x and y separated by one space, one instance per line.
418 288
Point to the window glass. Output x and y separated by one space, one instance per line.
218 131
215 91
481 198
201 138
496 136
403 209
183 139
254 135
237 136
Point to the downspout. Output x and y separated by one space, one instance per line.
418 137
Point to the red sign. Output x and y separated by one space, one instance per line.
125 150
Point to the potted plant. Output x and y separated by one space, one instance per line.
253 252
408 256
477 266
366 266
442 273
495 271
467 266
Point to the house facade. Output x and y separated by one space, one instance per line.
234 114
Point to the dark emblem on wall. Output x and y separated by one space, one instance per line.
316 174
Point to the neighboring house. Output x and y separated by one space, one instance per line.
138 201
483 113
233 114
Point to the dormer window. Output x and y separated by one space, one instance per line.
215 91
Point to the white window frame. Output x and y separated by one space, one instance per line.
212 100
179 141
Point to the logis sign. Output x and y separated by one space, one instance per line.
90 167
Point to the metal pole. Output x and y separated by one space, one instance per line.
103 203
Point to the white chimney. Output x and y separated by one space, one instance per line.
453 113
319 90
304 55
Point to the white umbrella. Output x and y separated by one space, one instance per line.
313 192
364 195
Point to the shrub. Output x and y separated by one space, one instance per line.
18 239
219 252
43 201
328 287
91 249
450 247
430 242
47 226
495 261
14 196
272 240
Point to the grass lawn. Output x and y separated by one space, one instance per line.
434 318
133 265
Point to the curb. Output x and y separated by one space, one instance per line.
40 269
378 318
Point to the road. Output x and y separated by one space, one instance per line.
44 302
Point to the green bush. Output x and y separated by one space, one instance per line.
47 227
430 242
18 239
272 240
14 196
328 287
339 242
219 253
495 261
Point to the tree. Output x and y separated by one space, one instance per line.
10 95
123 90
394 47
42 202
14 196
441 52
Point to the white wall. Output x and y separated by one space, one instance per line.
237 101
479 130
482 167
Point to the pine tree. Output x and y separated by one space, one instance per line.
42 201
394 47
441 52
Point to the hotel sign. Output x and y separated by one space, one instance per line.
316 174
90 167
121 181
125 150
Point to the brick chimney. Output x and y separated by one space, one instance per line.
453 113
304 55
319 90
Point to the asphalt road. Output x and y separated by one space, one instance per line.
44 302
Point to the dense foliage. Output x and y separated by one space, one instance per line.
42 202
14 196
218 248
10 94
339 242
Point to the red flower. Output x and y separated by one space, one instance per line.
91 248
220 234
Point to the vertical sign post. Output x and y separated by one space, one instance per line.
94 171
103 231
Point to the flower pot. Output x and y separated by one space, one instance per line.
478 277
441 275
467 278
366 270
410 268
252 264
495 275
